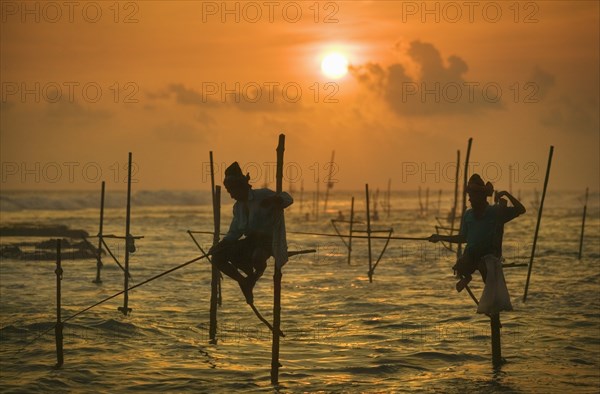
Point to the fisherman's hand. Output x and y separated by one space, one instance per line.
435 238
213 249
224 243
273 201
502 194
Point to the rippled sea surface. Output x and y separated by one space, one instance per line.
407 331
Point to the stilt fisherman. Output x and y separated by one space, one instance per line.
248 244
481 229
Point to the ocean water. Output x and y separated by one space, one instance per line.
407 331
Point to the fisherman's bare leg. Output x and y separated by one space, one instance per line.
259 262
221 261
240 260
246 283
464 268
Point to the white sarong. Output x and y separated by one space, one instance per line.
495 296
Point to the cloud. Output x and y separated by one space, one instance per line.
542 81
183 96
71 112
162 95
249 97
63 111
205 119
267 98
186 96
571 114
180 132
440 89
370 74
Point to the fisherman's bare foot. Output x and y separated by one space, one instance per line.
247 284
461 284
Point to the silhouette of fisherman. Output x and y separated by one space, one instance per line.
482 228
254 216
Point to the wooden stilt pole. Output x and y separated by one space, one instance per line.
426 200
99 256
215 277
539 219
439 204
350 233
454 209
389 198
215 284
464 193
369 234
128 241
583 224
375 200
536 199
421 208
317 200
510 175
496 343
301 195
58 330
329 183
277 276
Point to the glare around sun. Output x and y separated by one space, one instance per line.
334 65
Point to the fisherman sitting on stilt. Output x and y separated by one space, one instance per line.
254 215
481 229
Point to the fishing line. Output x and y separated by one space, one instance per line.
113 296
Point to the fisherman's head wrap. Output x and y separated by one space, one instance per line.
476 185
234 175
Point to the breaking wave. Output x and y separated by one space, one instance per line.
14 201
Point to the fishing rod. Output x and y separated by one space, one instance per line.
204 255
116 295
361 236
336 235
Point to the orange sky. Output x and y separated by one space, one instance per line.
154 62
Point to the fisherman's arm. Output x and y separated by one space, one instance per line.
235 231
232 235
282 200
286 200
458 238
520 208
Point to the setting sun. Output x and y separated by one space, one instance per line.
334 65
